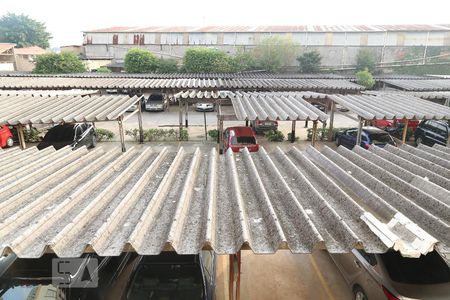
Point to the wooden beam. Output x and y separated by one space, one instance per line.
21 137
405 131
122 134
330 130
314 134
141 128
359 133
293 132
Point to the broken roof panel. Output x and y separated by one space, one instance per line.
277 106
29 109
392 106
149 200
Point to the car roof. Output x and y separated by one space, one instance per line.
241 130
373 129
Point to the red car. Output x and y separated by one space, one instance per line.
394 123
238 138
6 137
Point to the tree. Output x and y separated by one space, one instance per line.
309 62
365 79
365 60
275 52
140 61
62 63
167 65
103 70
243 61
198 60
23 31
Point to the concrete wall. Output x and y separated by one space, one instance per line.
337 48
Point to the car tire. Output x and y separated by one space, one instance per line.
93 141
9 142
419 141
337 141
359 294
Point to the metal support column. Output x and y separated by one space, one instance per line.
234 283
314 134
246 123
21 137
186 107
306 124
141 128
405 131
330 130
293 132
206 129
121 133
358 135
180 115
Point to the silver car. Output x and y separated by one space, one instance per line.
391 276
204 107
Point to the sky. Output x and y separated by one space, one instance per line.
66 20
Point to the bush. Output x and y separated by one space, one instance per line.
309 62
289 137
243 61
274 136
104 134
167 65
198 60
158 135
365 79
213 133
32 135
274 53
103 70
322 133
365 60
140 61
62 63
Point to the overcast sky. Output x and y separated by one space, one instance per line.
66 20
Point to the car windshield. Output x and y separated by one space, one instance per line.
60 133
428 269
381 138
167 281
243 140
440 129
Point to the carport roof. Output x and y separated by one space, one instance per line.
277 106
392 106
29 109
148 200
420 84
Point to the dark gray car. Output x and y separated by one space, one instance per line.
74 135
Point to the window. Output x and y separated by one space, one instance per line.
115 40
142 39
136 39
351 132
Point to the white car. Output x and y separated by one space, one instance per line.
204 107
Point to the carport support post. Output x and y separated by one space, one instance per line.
405 131
314 134
186 107
21 137
180 115
141 129
121 133
293 132
358 135
234 283
330 130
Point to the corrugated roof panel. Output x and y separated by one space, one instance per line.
27 109
185 200
392 106
420 85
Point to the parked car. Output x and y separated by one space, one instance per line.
204 107
369 136
165 276
393 277
394 123
156 102
319 106
263 126
6 137
132 108
74 135
238 138
430 132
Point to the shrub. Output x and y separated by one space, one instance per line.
198 60
103 70
62 63
309 62
365 60
134 133
365 79
32 135
167 65
322 133
140 61
213 133
274 136
274 53
105 134
158 135
289 137
184 135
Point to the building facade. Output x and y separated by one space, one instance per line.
338 45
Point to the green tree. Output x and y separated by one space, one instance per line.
365 79
198 60
275 52
167 65
103 70
243 61
62 63
23 31
309 62
140 61
365 60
